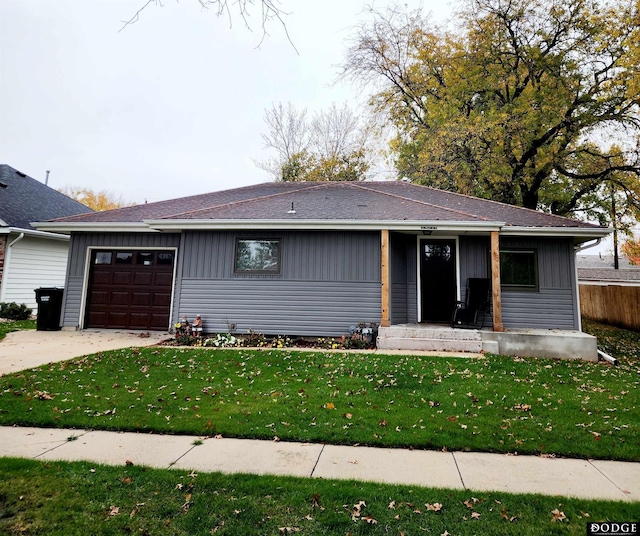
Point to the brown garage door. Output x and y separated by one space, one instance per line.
130 289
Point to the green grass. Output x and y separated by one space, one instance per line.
58 498
495 404
15 325
623 344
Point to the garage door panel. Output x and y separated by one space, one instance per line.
139 320
143 278
164 279
101 277
122 277
161 299
117 319
120 298
141 299
130 296
98 319
159 322
99 297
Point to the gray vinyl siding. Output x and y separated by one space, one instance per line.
328 282
554 306
77 262
399 264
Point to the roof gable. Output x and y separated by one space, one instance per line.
24 200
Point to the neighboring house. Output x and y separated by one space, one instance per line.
317 258
599 270
30 259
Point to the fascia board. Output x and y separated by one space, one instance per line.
107 227
357 225
38 234
584 232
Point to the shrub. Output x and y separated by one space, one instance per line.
13 311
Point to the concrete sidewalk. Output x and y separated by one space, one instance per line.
29 348
587 479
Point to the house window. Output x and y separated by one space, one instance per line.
257 256
519 269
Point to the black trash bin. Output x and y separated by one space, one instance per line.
49 307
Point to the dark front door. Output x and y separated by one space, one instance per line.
130 289
437 279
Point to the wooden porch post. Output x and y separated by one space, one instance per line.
495 282
385 320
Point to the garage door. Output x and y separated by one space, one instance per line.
130 289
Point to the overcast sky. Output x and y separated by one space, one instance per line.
172 105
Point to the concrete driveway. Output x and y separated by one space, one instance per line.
25 349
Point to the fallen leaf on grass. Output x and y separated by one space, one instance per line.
288 530
558 515
435 507
475 515
370 520
330 405
392 504
114 510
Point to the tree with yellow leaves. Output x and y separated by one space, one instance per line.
99 201
529 102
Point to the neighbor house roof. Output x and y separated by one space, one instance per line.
24 200
392 204
600 268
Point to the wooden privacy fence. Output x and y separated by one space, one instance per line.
611 304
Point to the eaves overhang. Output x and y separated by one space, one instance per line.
34 233
329 225
102 227
586 233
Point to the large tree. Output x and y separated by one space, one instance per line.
519 103
96 200
332 145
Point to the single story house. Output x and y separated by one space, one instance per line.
29 258
317 258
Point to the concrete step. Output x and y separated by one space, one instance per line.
428 344
428 332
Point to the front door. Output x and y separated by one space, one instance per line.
437 279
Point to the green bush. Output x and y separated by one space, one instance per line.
13 311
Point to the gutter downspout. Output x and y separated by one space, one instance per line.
6 263
18 238
582 247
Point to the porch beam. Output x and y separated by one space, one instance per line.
495 282
385 320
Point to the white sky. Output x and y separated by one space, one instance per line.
172 105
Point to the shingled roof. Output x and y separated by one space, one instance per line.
24 200
391 201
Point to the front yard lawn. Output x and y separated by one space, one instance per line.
7 326
57 498
496 404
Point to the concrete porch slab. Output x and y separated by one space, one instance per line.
412 467
549 343
250 456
